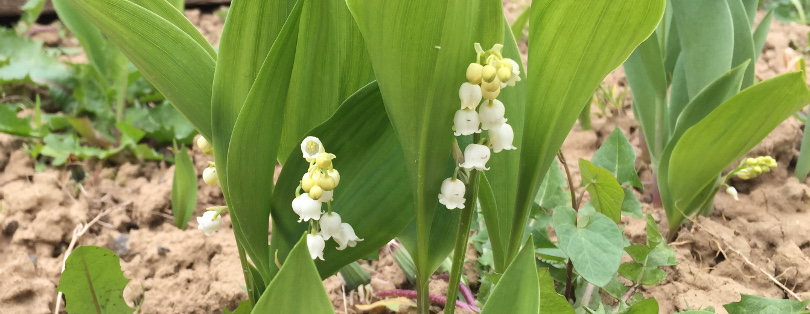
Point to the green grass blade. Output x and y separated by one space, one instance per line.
573 45
168 57
184 188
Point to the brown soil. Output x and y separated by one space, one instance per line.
182 271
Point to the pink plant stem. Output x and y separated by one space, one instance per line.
468 296
435 299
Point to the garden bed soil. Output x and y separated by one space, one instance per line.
181 271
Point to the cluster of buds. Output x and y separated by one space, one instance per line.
212 218
748 169
318 185
752 167
484 80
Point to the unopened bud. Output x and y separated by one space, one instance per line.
733 192
210 176
315 192
324 160
756 169
474 73
205 146
751 161
491 86
490 95
307 183
488 73
327 183
504 74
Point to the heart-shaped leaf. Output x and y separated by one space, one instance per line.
93 282
618 156
606 193
593 243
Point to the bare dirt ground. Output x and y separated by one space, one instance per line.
182 271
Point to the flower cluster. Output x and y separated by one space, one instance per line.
484 81
748 169
318 185
212 218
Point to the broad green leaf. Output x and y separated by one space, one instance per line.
728 132
593 243
378 204
169 12
419 67
173 61
761 34
247 37
751 304
253 147
743 41
184 188
647 306
606 193
631 206
89 35
10 124
331 63
93 282
751 10
296 288
550 301
648 82
504 180
708 99
518 289
573 45
618 156
707 40
551 193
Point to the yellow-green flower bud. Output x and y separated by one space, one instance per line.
771 163
751 161
324 160
307 183
205 146
756 169
764 168
316 192
744 174
491 86
504 74
474 73
327 183
490 95
507 63
488 73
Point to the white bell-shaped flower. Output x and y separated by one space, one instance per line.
315 244
306 208
733 192
465 122
208 224
515 73
501 138
210 176
330 225
452 195
335 175
470 95
475 157
326 196
491 114
346 237
310 147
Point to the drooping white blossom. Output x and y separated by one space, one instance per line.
315 244
310 148
733 192
465 122
515 73
326 196
205 146
208 224
501 138
335 175
491 114
475 157
330 225
306 208
452 195
470 95
346 237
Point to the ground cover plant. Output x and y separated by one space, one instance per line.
359 112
